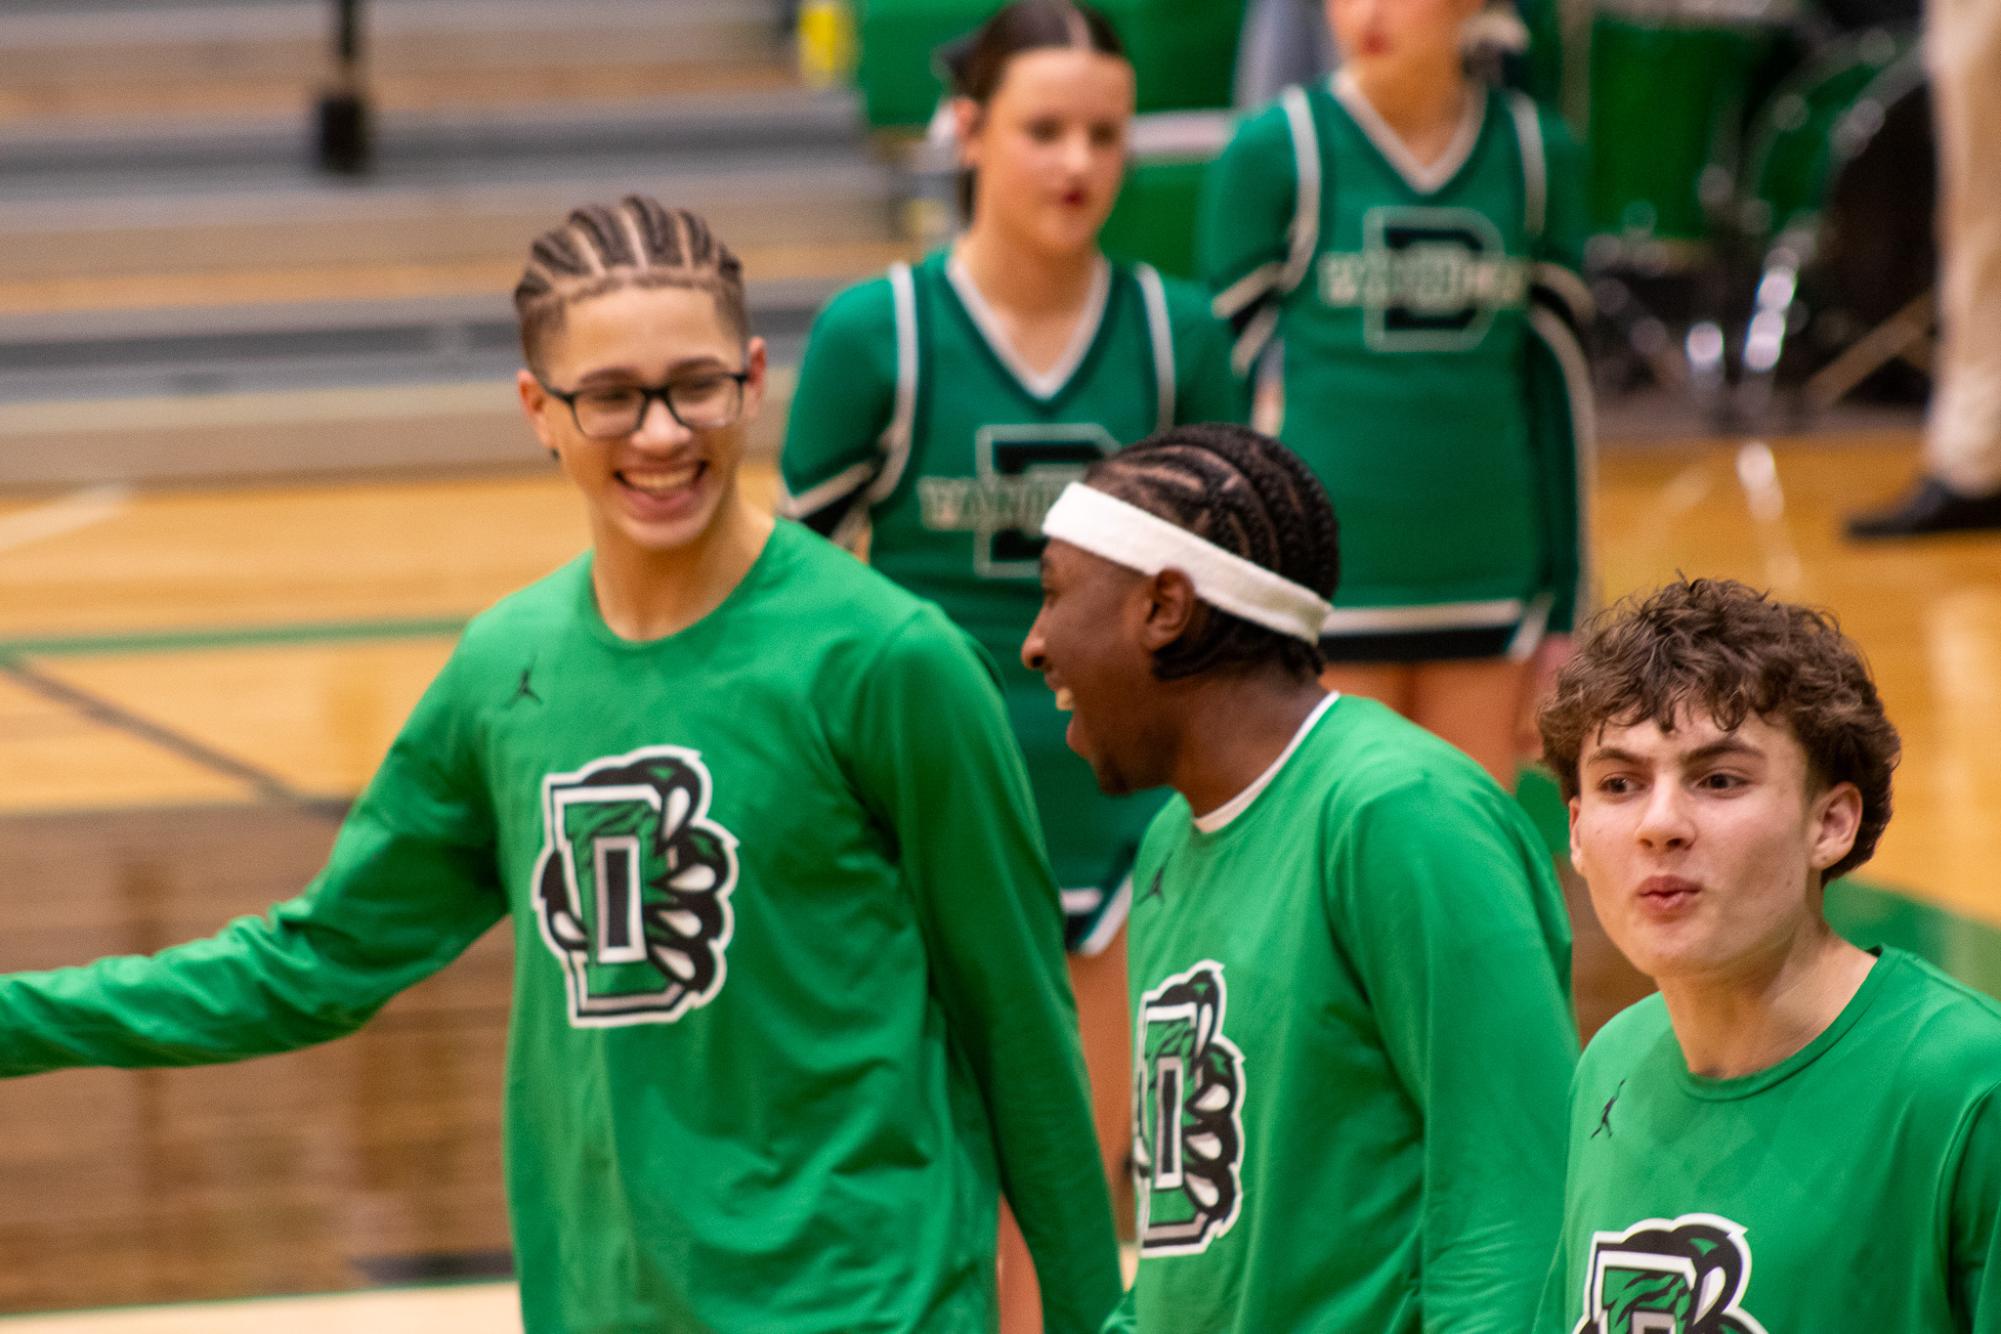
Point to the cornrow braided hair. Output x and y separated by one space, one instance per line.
1254 498
638 242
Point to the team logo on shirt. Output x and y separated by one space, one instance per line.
1188 1099
1681 1277
1426 279
1020 472
632 890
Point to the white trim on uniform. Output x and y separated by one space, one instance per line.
1304 236
1244 293
1111 917
874 479
1423 177
1041 385
1272 280
1490 614
1563 344
1253 341
1535 169
896 437
838 487
1154 294
1077 901
1529 634
1237 805
1567 287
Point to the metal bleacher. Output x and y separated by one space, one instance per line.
186 292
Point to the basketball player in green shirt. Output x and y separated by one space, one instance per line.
1794 1134
1349 958
789 1011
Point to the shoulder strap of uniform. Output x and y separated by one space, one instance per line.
1160 333
1535 166
1552 284
895 441
1305 233
839 505
1254 334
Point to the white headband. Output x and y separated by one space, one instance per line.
1127 535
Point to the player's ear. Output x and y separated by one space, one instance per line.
1837 816
533 399
1171 604
966 120
754 362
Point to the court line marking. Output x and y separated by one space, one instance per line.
65 514
268 786
191 638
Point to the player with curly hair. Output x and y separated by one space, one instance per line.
1794 1133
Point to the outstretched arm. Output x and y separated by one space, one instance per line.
409 886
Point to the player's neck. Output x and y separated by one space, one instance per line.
1233 728
1424 113
644 595
1754 1015
1021 280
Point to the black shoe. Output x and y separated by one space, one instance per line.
1931 507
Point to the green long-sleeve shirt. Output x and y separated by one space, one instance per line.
1353 1043
790 1002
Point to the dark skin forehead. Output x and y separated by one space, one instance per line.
1068 566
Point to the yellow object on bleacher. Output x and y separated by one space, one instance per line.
826 43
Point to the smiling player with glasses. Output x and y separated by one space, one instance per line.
789 995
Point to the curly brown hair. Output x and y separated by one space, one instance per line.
1721 648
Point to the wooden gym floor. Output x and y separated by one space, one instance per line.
193 682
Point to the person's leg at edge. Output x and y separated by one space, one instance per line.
1474 704
1020 1295
1963 433
1099 983
1390 683
1961 486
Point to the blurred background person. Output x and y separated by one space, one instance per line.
1284 42
1960 488
1399 253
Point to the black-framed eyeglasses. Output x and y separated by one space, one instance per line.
705 401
